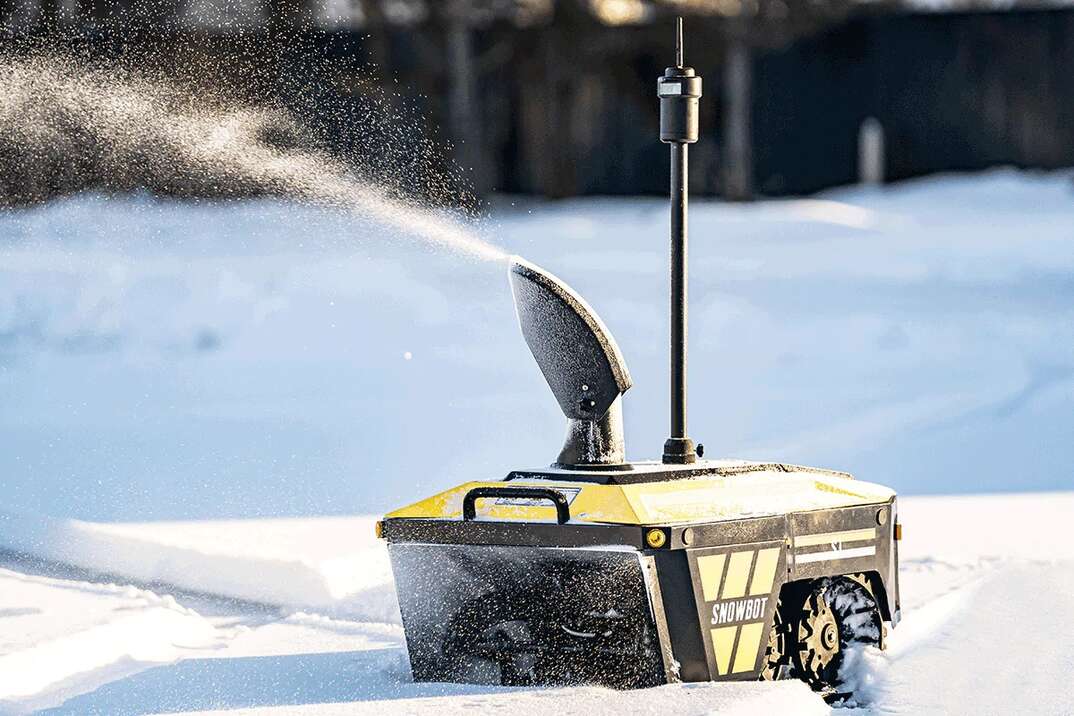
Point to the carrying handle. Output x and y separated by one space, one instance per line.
563 508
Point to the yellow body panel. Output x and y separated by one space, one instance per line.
723 644
711 568
707 498
738 571
748 642
764 572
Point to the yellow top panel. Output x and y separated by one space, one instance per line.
707 498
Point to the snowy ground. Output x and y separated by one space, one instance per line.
984 577
169 371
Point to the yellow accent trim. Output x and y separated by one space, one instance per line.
723 643
738 573
656 538
764 572
829 537
748 641
591 503
835 490
712 498
710 570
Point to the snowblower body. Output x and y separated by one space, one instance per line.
633 574
631 578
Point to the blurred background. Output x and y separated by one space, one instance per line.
253 296
547 97
251 252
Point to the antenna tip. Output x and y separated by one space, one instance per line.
678 42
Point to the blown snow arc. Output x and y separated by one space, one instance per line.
597 569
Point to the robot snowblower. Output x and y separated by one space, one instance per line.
633 574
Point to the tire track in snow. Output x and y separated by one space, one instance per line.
60 637
997 645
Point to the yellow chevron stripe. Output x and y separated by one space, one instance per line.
748 641
723 642
764 572
738 573
710 570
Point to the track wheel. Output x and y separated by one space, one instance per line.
776 657
839 614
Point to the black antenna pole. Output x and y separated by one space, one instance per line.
678 42
679 90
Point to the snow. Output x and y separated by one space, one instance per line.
215 402
57 633
325 562
1015 623
224 361
979 573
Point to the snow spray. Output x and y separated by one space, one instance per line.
64 127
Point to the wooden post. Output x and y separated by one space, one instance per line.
463 102
871 152
738 123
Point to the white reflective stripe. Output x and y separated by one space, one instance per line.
830 537
836 554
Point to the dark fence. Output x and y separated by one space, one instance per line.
952 92
955 91
569 107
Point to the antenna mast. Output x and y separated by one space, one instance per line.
679 90
678 42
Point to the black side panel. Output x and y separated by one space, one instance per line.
848 540
759 529
481 532
680 610
735 588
